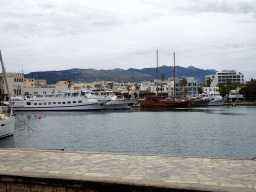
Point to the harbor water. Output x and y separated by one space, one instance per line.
225 131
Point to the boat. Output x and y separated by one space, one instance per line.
163 102
80 100
216 102
158 102
7 122
112 101
200 102
215 99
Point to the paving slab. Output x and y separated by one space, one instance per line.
174 172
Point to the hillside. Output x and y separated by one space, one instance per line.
119 75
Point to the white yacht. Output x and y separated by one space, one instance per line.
64 101
215 99
112 100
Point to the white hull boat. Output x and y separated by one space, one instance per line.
112 101
7 126
65 101
7 123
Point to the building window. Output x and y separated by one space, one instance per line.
63 102
74 101
40 103
54 103
49 103
69 102
79 101
59 102
45 103
35 103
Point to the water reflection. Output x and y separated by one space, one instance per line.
7 142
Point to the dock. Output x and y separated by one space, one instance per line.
56 170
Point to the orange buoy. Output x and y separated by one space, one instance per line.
39 117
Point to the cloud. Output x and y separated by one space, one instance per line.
219 6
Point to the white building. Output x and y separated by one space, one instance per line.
221 77
191 86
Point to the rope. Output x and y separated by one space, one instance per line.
24 123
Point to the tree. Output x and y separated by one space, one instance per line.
128 87
199 90
183 83
228 81
208 82
249 90
137 87
69 85
111 85
162 76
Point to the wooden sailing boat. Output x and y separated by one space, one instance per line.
7 123
159 102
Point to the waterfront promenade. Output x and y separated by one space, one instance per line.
49 170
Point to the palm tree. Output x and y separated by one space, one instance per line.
162 76
111 85
137 87
208 82
69 85
128 89
183 83
228 81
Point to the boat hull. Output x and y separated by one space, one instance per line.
59 104
164 104
216 103
200 103
7 127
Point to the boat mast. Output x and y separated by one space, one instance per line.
6 83
174 74
156 72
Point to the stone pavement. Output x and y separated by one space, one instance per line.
198 173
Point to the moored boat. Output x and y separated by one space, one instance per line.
158 102
112 102
7 122
64 101
200 103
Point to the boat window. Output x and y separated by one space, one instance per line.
58 95
45 103
74 101
35 103
40 104
54 103
79 101
28 103
63 102
82 93
59 102
49 103
74 94
66 94
69 102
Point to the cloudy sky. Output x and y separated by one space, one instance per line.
63 34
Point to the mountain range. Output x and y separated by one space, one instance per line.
119 75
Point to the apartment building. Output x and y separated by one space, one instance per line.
221 77
15 84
